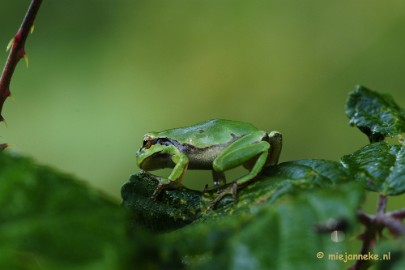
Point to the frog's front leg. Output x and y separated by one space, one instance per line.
176 176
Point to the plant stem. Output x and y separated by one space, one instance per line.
382 204
17 51
374 226
395 226
368 236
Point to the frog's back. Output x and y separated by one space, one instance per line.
208 133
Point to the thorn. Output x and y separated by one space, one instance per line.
21 53
10 44
26 59
32 29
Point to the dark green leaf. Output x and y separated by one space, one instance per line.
49 220
311 173
172 210
274 224
380 165
280 235
179 207
377 115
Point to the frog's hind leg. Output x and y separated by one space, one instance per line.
248 149
251 148
231 190
254 151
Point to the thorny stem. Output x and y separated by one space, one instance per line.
368 238
374 226
17 51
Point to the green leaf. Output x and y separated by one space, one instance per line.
279 235
312 173
175 209
274 224
49 220
380 166
178 207
376 115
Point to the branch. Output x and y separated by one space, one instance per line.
395 226
368 237
382 204
374 226
17 52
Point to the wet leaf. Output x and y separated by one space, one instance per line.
274 224
178 207
278 235
380 166
173 209
376 115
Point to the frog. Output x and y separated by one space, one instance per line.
217 145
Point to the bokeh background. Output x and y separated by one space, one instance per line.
102 73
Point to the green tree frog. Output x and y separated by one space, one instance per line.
217 145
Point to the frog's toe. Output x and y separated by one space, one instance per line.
230 190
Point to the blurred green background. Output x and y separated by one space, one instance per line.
102 73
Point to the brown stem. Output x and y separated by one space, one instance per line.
395 226
368 237
17 51
364 218
382 204
374 226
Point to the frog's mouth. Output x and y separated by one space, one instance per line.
157 161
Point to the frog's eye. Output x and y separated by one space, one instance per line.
147 144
